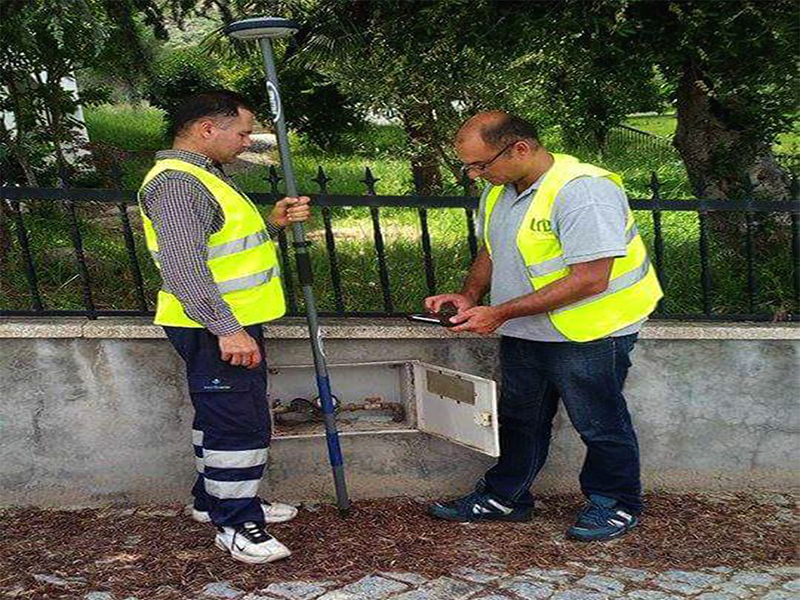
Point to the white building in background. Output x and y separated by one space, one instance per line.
72 151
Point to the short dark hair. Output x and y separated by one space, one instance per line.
508 129
214 103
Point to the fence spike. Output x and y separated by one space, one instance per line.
369 180
321 180
416 173
116 176
655 185
747 186
63 176
274 179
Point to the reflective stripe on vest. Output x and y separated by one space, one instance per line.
245 243
556 264
243 283
631 277
615 285
241 257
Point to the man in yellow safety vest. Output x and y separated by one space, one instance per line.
221 282
571 285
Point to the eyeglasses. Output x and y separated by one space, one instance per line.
482 166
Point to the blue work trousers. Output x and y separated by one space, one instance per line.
231 428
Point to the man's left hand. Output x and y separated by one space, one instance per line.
478 319
290 210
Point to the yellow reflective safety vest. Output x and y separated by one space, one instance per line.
241 257
633 289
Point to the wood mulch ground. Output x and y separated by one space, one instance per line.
156 553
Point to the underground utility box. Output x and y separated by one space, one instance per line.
404 426
381 397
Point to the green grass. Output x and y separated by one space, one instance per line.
664 126
660 125
131 128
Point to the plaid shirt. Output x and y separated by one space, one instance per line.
184 215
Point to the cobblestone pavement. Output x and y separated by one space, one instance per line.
573 582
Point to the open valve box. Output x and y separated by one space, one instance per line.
389 397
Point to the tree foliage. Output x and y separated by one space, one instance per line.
729 68
44 41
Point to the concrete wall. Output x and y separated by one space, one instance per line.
97 412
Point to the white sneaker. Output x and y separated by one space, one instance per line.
250 543
274 512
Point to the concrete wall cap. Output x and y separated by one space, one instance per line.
367 328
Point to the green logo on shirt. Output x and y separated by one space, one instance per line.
541 225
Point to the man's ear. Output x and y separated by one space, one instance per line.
527 147
205 127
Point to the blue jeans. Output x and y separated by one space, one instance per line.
588 377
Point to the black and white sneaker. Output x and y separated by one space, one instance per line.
602 519
479 506
250 543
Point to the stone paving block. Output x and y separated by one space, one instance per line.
721 569
296 590
754 578
405 577
554 575
792 586
447 588
475 576
696 578
494 596
576 594
714 596
790 570
630 574
415 595
527 588
99 596
255 596
374 587
686 582
651 595
779 595
221 589
340 595
607 585
733 589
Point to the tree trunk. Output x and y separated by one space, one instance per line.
424 162
722 161
725 161
16 142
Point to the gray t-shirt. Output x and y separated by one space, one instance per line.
589 217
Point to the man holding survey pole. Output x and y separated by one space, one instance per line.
221 282
571 285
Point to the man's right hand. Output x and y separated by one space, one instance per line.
461 302
240 349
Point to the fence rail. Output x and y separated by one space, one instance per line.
749 213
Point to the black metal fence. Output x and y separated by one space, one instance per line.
750 300
640 141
